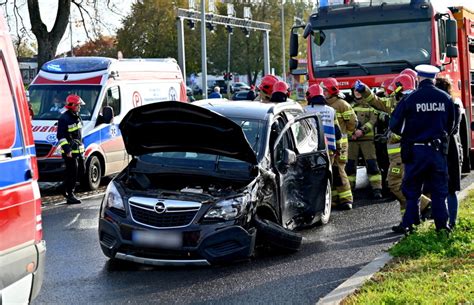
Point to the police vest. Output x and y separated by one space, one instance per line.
327 114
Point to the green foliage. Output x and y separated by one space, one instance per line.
429 268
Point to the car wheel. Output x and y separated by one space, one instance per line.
277 237
327 206
93 174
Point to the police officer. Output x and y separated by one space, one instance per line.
347 119
70 141
265 88
362 139
424 147
318 104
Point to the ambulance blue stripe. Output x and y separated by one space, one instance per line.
13 171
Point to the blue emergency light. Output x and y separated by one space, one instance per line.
77 65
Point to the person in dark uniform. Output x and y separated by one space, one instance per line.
70 140
424 148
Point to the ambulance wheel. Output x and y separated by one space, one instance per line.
93 174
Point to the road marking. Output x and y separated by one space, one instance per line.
73 220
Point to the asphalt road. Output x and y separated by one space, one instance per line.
78 273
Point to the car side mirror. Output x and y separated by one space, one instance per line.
451 52
289 157
107 114
451 32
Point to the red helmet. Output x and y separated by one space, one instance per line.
331 85
411 73
314 90
385 85
403 82
72 101
266 85
281 87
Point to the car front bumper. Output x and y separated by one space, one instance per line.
202 244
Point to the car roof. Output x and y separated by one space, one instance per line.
247 109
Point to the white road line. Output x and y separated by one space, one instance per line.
73 220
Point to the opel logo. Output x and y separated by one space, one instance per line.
160 207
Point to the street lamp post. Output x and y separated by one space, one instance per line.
283 55
203 49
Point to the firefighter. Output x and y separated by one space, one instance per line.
424 147
280 93
347 119
362 139
317 103
265 88
72 148
401 85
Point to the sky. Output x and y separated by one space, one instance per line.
112 21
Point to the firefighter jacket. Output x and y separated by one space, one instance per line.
70 133
385 104
346 116
367 118
330 124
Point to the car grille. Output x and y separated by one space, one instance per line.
42 150
176 215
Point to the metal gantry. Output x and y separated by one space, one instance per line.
227 21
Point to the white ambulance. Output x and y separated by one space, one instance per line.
110 88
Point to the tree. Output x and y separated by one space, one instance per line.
102 46
48 41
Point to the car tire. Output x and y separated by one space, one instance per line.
277 237
93 174
327 206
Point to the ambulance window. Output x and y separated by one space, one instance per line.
112 99
8 116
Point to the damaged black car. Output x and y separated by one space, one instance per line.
211 181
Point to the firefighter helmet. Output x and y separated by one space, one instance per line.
385 85
314 90
412 73
73 101
402 83
266 85
331 85
281 87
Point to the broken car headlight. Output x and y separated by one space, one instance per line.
227 209
113 197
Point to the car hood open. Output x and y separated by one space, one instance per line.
178 126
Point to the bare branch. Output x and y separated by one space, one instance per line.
81 12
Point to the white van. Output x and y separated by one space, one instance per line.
110 88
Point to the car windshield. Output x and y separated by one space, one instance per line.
375 44
201 161
48 101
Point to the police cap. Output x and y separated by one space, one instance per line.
427 71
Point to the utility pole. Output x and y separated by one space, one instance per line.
229 35
203 49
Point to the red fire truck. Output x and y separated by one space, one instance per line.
376 40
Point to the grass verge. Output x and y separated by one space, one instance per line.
428 268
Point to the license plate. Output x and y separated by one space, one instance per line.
158 239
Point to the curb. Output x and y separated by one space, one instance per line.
356 281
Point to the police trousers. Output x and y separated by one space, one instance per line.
396 170
428 169
75 168
367 148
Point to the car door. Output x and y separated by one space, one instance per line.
301 160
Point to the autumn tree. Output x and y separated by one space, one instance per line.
102 46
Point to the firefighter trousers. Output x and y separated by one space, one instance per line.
74 168
367 148
341 188
396 170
